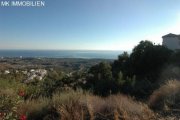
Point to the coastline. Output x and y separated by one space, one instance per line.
84 54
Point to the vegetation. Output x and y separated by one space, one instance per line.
141 85
166 97
75 105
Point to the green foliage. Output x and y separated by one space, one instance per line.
144 64
101 71
122 64
148 59
145 61
49 86
8 83
120 80
13 76
9 104
32 91
136 74
101 80
55 75
175 58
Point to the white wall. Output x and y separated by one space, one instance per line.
172 43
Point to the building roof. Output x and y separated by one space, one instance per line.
171 35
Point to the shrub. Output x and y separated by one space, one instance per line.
38 109
64 97
170 72
86 106
32 91
167 96
100 80
118 106
9 103
69 104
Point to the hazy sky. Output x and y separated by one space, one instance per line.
88 24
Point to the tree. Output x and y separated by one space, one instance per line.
148 59
101 71
120 65
101 80
138 72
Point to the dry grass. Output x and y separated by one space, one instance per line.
170 72
119 107
9 92
167 96
35 109
66 97
114 107
71 105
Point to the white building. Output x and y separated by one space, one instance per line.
33 74
6 72
171 41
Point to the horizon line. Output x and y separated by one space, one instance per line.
65 49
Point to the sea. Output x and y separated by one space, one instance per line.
85 54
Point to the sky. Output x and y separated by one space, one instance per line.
88 24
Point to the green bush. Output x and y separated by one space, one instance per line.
9 102
100 79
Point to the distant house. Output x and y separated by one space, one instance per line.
6 72
171 41
33 74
